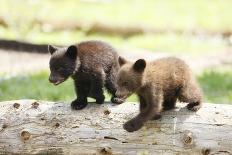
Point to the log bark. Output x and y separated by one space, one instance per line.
40 127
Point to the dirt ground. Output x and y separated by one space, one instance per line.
13 63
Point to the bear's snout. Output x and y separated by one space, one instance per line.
121 94
55 80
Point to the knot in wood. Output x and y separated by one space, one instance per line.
188 138
35 105
106 151
4 126
16 105
205 151
57 125
106 112
25 135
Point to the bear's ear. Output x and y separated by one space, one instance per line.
139 65
121 61
52 49
71 52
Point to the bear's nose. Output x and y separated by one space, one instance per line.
52 80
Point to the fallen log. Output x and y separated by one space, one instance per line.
23 46
39 127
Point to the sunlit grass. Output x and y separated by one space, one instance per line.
205 15
37 86
178 14
177 44
217 87
171 43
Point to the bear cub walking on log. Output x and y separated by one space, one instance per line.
92 65
158 85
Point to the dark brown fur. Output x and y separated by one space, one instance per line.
92 65
158 84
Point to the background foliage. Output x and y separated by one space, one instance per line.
195 28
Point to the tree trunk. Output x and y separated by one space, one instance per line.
39 127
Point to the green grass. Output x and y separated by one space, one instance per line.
178 14
206 15
177 44
37 86
170 43
217 87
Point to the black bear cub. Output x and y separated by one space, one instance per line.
91 64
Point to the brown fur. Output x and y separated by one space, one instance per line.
158 84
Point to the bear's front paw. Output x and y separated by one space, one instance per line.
100 99
132 125
194 106
156 117
117 100
77 105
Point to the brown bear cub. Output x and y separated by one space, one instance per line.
158 85
91 64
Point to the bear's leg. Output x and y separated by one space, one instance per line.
97 83
97 91
143 105
82 90
152 109
191 94
169 103
110 85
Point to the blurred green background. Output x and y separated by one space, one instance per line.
194 29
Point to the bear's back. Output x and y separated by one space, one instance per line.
169 72
97 54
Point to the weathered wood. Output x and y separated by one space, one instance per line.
38 127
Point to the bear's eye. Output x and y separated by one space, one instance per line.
125 84
60 70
